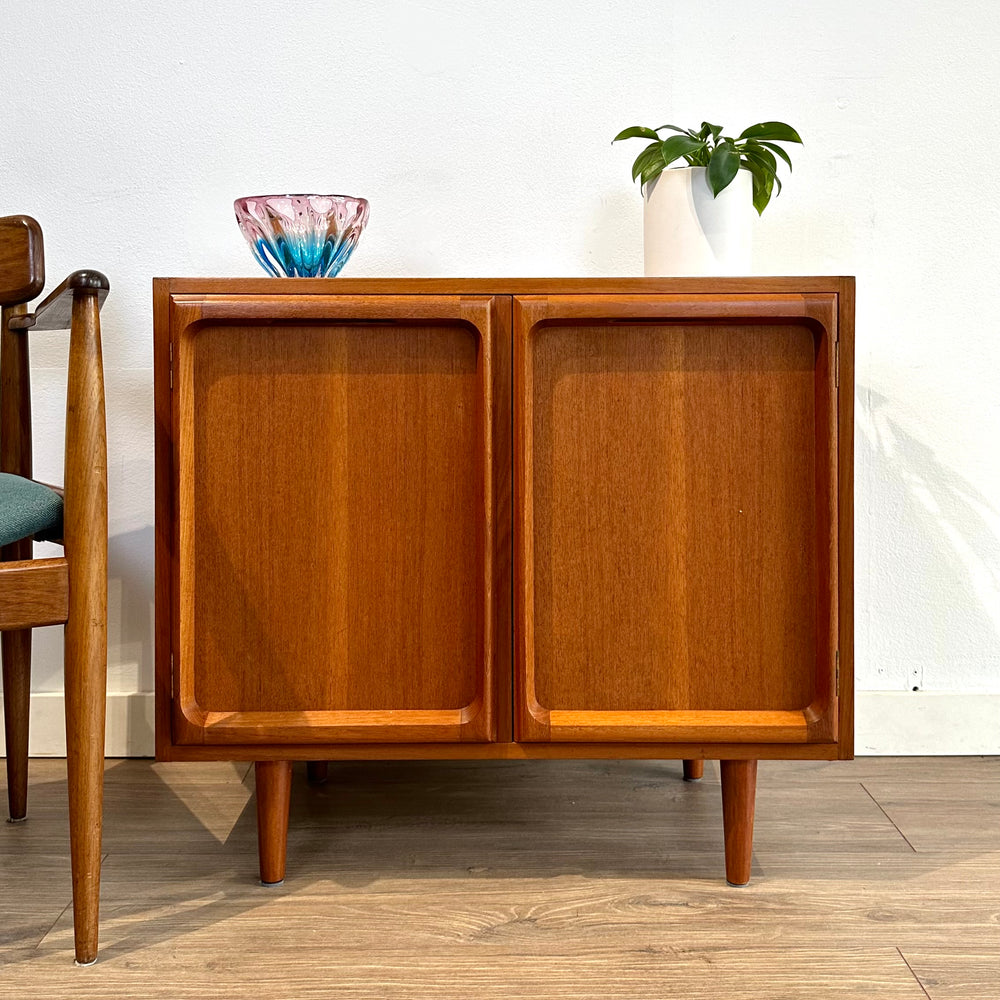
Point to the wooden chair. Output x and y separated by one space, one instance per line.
71 589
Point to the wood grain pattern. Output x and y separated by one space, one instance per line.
659 600
407 880
15 396
165 625
661 626
73 589
739 788
16 618
956 973
845 513
33 592
55 311
273 781
383 617
85 538
22 259
503 751
223 288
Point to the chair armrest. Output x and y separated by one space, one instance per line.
56 309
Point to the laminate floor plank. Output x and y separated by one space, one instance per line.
33 894
586 802
957 974
938 816
195 810
921 904
512 880
318 970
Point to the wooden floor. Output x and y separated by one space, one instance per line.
871 878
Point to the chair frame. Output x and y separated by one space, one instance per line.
71 589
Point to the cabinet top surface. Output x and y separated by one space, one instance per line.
504 286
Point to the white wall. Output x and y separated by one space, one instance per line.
481 132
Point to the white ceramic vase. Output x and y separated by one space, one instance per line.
686 232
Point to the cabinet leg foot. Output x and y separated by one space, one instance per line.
317 771
274 792
739 786
694 770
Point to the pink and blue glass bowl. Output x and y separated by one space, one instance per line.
302 235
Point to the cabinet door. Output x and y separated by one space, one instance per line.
339 467
676 518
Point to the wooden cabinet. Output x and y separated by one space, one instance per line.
495 518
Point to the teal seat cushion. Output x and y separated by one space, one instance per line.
28 508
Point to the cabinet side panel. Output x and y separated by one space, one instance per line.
337 567
165 525
675 523
846 515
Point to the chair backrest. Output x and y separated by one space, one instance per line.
22 277
22 260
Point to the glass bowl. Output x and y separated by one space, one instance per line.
302 235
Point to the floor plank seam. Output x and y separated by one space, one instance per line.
888 817
912 973
41 940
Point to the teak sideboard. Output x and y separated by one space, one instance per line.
438 518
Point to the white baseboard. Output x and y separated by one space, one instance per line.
128 729
926 723
887 723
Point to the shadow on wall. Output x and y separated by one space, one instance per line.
932 564
130 643
130 599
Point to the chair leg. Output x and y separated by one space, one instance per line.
85 533
86 683
16 703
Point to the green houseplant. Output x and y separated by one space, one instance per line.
755 150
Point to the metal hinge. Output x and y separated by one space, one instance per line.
171 365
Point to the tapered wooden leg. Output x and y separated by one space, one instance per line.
85 661
739 786
694 770
274 793
85 536
86 672
317 771
16 702
16 654
15 457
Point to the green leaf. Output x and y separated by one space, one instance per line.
766 162
636 131
755 149
649 156
763 182
722 168
778 131
677 146
708 128
674 128
777 149
651 174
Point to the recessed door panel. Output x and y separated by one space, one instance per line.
676 497
336 500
